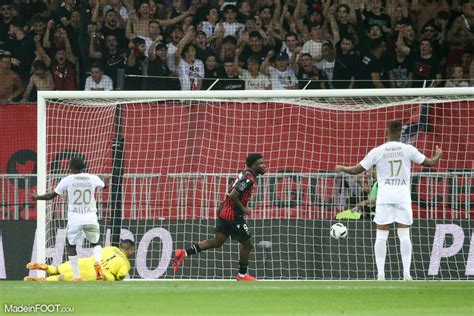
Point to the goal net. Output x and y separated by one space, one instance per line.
172 156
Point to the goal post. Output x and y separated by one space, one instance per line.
182 148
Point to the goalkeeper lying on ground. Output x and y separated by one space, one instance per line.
115 266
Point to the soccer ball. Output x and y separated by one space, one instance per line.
338 231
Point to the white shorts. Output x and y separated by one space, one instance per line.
393 213
91 231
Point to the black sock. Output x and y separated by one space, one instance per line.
194 249
243 269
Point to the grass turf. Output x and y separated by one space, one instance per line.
238 298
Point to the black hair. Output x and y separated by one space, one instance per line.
97 65
291 34
255 34
345 6
348 37
39 65
229 39
250 18
230 7
77 164
37 18
186 49
254 59
252 158
395 127
138 41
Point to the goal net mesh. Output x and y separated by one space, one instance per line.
179 157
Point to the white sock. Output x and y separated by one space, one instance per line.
380 248
75 267
405 248
98 253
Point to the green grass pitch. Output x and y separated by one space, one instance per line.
238 298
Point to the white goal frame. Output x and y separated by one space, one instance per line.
43 96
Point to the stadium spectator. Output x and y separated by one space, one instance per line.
282 75
40 79
63 13
291 46
12 86
190 69
344 27
159 69
176 36
22 48
97 81
118 7
73 30
309 76
345 67
374 15
231 26
210 24
38 26
456 78
230 78
111 26
400 69
154 34
7 17
254 46
314 45
111 56
135 65
327 63
428 71
372 66
200 40
202 9
212 71
253 78
424 10
139 20
244 11
229 45
63 70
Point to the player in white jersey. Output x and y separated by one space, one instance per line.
82 211
392 161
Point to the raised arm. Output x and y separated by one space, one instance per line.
430 162
40 52
27 91
266 63
350 170
93 53
179 18
179 48
45 197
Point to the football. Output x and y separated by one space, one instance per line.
338 231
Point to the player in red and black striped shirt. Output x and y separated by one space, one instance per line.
231 221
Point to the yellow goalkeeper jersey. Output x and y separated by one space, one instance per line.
115 263
115 266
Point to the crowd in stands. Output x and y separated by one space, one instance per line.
221 45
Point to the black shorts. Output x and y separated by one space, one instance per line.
238 231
